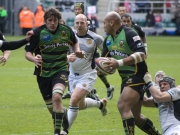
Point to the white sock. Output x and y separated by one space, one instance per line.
92 103
109 89
72 114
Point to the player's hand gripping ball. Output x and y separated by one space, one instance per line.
100 66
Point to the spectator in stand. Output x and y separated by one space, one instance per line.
141 6
95 21
93 3
133 6
127 5
39 16
177 17
158 17
3 18
26 17
174 8
168 5
67 5
150 19
177 21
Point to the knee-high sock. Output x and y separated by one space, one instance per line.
149 128
129 126
104 80
92 103
57 121
72 114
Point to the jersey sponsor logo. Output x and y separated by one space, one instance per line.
136 38
139 45
84 85
121 43
56 45
89 41
108 43
129 81
47 37
114 47
63 77
115 52
64 35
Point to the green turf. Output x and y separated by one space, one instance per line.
23 112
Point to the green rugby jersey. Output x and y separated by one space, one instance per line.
122 46
53 47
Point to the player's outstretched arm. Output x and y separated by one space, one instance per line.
12 45
156 93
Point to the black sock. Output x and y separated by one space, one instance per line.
149 128
57 122
129 126
104 80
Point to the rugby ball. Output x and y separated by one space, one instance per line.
100 66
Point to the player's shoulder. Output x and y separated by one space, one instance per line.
136 26
93 34
96 37
129 31
174 89
39 29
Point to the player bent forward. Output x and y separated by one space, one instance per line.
167 99
83 73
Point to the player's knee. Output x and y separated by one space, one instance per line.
122 106
58 90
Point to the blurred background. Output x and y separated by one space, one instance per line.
163 11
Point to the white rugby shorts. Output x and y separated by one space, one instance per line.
85 81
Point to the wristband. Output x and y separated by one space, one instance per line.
148 85
145 44
120 63
1 42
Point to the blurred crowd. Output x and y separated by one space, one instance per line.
29 19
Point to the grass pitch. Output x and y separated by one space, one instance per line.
23 112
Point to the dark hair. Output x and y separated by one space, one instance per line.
52 12
126 16
79 4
